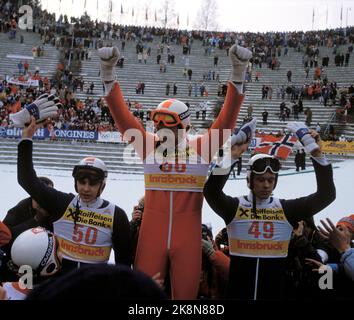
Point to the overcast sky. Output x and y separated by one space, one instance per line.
232 15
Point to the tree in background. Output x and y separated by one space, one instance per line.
207 16
167 15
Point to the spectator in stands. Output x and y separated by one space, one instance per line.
318 72
20 68
296 111
138 88
289 74
347 57
303 159
239 165
249 111
216 59
196 89
298 160
140 57
308 113
142 87
190 87
190 72
307 71
258 75
265 117
198 108
26 67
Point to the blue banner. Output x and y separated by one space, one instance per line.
73 134
6 132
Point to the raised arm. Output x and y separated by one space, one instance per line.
227 118
126 123
50 199
305 207
225 206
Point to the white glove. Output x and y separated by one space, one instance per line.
304 136
109 57
239 57
245 133
41 109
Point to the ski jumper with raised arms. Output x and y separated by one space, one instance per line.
170 234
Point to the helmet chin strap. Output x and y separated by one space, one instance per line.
100 189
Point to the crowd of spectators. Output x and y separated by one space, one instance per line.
77 38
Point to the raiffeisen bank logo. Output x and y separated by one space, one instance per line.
26 17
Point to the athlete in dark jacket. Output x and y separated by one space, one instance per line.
259 231
87 227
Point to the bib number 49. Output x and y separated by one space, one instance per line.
258 228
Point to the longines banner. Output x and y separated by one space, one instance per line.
338 147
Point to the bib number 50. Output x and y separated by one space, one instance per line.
89 235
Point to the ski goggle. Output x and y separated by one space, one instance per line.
169 119
261 166
92 178
50 263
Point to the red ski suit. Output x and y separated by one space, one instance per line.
170 234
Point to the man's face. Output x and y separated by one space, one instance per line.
89 186
263 185
349 235
38 208
173 134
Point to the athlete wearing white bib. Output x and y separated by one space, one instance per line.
90 239
86 226
264 235
259 226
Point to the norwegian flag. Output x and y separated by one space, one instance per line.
280 147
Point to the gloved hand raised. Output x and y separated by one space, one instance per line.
303 134
239 57
109 57
46 106
245 133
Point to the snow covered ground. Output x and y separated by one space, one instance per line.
125 190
